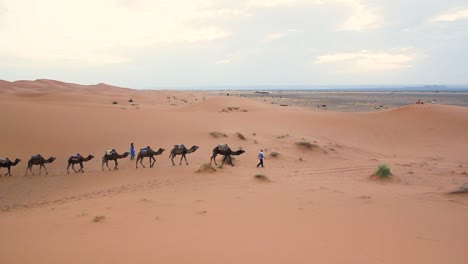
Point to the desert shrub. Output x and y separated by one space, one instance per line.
232 108
461 190
306 145
206 168
261 177
99 218
241 136
274 154
217 134
383 171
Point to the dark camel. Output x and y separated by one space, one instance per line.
78 159
113 156
38 160
181 150
6 163
148 152
226 152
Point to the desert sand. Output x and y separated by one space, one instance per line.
316 205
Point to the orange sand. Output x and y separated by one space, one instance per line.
320 205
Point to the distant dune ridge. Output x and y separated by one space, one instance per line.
320 204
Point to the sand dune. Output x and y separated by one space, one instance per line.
320 204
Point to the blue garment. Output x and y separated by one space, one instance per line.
261 155
132 151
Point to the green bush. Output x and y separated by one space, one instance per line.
383 171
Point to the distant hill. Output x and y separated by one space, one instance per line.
46 85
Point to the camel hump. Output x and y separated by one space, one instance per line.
110 152
179 146
144 150
38 156
223 147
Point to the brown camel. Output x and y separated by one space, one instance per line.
226 152
112 155
148 152
78 159
6 163
181 150
38 160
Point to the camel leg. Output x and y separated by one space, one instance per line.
73 167
230 160
180 163
69 163
8 172
152 163
213 158
107 164
141 162
42 165
136 163
81 167
172 159
116 165
30 169
185 157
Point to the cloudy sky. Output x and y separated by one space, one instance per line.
173 43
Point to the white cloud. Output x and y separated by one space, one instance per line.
364 17
368 61
274 36
97 31
268 3
224 61
452 16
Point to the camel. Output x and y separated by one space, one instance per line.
6 163
181 150
112 155
78 159
38 160
148 152
226 152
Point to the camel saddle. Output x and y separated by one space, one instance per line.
223 147
179 146
75 156
144 150
38 156
110 152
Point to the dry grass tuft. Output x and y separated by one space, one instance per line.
241 136
306 145
99 218
261 178
462 190
206 168
274 154
217 134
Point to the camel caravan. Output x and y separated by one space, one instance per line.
112 155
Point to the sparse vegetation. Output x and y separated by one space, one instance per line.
462 190
217 134
233 108
274 154
99 218
306 145
206 168
241 136
283 136
383 171
262 178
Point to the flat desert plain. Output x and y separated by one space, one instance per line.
313 202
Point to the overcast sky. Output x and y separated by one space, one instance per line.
170 43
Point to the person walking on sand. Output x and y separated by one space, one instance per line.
261 156
132 152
